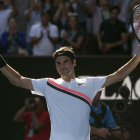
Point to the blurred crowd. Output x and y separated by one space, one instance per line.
91 27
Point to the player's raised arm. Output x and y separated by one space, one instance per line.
14 77
124 70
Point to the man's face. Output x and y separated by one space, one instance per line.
97 97
64 65
45 18
114 14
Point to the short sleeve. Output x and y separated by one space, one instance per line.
54 31
96 84
39 86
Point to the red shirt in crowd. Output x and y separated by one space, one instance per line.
43 133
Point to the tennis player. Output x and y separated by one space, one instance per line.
69 99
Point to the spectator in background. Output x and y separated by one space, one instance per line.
44 36
124 14
55 7
99 14
22 5
13 40
61 20
4 15
73 36
79 7
112 34
36 118
32 16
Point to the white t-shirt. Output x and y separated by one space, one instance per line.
69 105
4 16
44 47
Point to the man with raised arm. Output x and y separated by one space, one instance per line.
69 98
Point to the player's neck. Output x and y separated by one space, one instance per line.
68 78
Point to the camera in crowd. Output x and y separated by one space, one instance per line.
122 108
32 103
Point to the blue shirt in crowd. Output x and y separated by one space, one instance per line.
108 120
11 46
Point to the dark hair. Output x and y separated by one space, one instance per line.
13 18
116 7
65 49
75 15
44 11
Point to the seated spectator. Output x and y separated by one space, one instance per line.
73 36
32 16
44 36
112 34
61 20
13 40
4 16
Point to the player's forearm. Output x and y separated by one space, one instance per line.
11 74
37 123
18 116
128 67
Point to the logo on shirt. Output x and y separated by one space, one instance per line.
79 84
